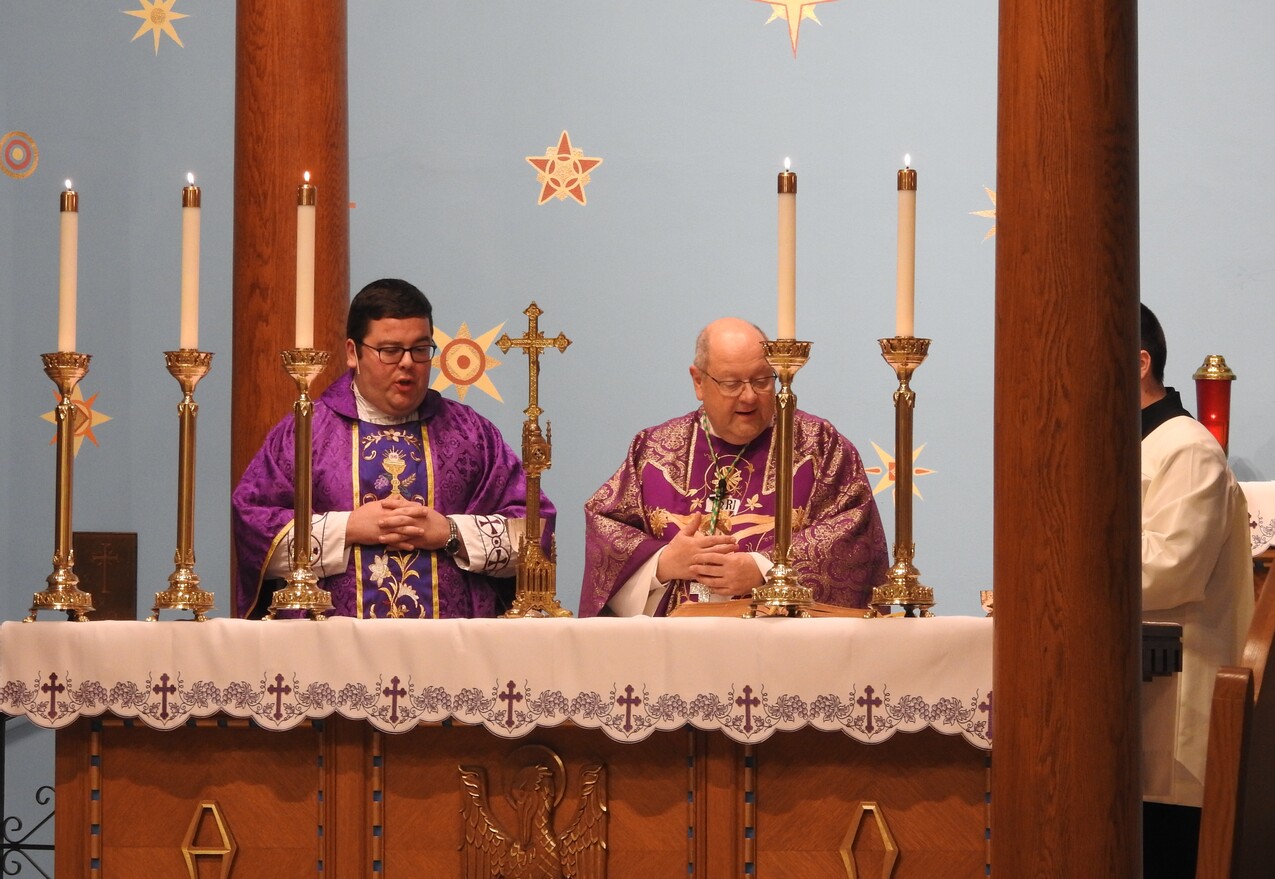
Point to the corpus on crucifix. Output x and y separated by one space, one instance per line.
536 594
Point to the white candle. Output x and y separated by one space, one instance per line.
905 295
306 199
68 267
190 265
787 186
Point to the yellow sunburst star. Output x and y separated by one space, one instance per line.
463 361
886 470
793 11
84 420
156 17
563 170
991 194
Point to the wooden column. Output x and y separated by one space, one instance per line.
290 117
1065 767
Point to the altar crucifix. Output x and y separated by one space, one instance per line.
536 594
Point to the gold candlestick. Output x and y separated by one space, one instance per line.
65 368
535 591
302 591
781 595
188 366
903 587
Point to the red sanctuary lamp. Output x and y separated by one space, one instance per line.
1213 397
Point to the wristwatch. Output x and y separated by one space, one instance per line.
452 546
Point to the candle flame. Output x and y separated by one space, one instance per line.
907 160
306 175
68 184
787 163
190 177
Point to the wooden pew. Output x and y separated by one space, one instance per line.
1237 827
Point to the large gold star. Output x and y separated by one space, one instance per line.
462 361
887 470
157 16
793 11
83 420
991 193
563 170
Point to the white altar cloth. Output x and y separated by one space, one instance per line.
627 677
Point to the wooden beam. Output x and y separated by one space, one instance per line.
291 116
1065 768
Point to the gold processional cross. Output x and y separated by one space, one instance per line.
536 594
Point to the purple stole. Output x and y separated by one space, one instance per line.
389 460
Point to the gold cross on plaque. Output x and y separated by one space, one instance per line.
533 342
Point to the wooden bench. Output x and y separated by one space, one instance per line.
1237 827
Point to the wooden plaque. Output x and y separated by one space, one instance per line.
106 563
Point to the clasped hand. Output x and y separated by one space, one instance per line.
715 560
398 523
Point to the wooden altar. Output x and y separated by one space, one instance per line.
742 748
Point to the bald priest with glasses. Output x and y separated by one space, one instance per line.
419 504
690 514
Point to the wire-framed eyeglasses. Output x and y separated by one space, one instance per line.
735 387
393 354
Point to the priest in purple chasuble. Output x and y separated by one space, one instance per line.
419 503
690 514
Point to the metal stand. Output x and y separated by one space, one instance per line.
302 591
781 595
188 366
904 354
65 368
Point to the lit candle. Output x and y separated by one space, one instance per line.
905 298
787 253
306 199
68 267
190 264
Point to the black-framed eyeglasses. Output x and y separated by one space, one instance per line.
393 354
735 387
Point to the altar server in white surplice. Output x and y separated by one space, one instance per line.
1196 571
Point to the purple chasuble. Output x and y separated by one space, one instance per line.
450 458
676 469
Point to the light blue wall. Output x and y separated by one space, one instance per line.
692 107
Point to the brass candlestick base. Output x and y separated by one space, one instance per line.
188 366
302 591
65 368
903 587
781 595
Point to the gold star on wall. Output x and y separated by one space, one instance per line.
991 194
83 421
156 17
886 470
563 171
462 361
793 11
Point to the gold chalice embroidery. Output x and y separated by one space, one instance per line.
394 464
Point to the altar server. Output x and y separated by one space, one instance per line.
1196 571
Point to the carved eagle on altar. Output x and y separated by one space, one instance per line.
531 850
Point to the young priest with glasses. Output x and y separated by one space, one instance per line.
419 504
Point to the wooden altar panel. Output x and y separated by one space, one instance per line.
646 790
141 788
365 803
930 789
